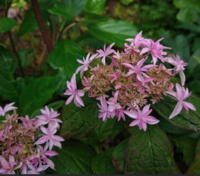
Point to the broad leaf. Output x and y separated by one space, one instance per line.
38 92
149 152
195 166
102 164
185 147
79 121
74 158
111 30
64 55
186 120
6 24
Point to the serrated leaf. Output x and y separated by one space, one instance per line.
79 121
74 158
149 152
6 24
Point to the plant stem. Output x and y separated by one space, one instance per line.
43 29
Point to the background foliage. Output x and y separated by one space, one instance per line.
33 72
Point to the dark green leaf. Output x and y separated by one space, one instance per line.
195 166
186 146
38 92
108 129
79 121
149 152
6 24
102 164
119 156
112 30
186 120
64 55
29 24
74 158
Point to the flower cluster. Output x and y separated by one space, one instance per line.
127 82
26 144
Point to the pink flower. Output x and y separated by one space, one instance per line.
74 93
179 67
8 167
48 116
181 94
7 108
156 50
85 63
142 118
104 111
138 42
138 69
112 102
50 138
105 52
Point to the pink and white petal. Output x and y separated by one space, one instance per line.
131 114
177 110
152 120
134 123
182 77
69 100
188 105
79 101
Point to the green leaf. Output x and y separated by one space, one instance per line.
29 23
108 129
102 164
149 152
7 64
79 121
74 158
111 30
7 70
119 156
6 24
95 6
195 166
75 7
38 92
186 120
186 146
64 55
189 10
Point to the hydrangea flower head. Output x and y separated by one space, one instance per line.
126 82
27 144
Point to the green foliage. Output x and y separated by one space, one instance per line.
6 24
149 152
32 77
111 30
74 158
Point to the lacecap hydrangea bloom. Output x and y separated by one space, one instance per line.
126 83
26 145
